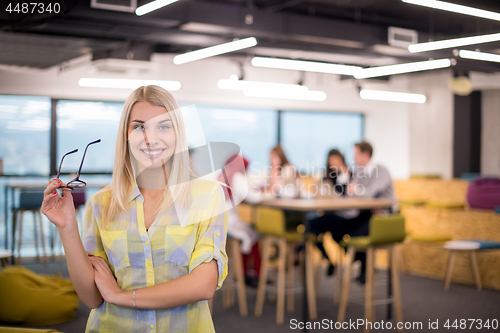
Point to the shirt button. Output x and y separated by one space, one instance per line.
147 243
217 234
148 263
150 284
152 326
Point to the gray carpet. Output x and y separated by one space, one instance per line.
423 300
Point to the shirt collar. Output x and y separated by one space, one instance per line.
135 192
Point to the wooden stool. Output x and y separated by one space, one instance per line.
385 232
467 246
29 201
236 278
271 223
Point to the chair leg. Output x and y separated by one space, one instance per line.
226 291
280 305
369 287
346 284
290 297
261 290
337 287
449 269
311 293
14 228
475 269
240 279
37 248
43 237
20 237
396 285
399 257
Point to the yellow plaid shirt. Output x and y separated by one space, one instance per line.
140 258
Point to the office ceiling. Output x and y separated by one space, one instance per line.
336 31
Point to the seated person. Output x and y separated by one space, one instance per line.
238 190
369 180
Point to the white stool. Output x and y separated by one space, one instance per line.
469 246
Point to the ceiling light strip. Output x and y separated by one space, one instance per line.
127 83
479 56
456 42
403 68
308 66
317 96
460 9
390 96
234 84
151 6
215 50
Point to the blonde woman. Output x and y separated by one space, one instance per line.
153 248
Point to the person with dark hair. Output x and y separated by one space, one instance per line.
338 176
337 173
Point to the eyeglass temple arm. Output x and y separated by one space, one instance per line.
85 152
62 159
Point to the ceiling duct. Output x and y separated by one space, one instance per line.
402 37
115 5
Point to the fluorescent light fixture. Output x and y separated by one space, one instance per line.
308 95
460 9
234 84
308 66
154 5
390 96
271 90
479 56
456 42
403 68
128 83
215 50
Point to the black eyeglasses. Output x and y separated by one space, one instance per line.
76 182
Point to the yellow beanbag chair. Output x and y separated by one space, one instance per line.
33 299
25 330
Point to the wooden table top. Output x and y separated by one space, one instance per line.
334 203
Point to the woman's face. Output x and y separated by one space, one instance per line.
275 159
151 135
336 163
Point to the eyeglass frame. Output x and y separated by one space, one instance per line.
80 183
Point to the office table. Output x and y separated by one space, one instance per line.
327 204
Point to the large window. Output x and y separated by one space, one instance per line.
253 130
307 137
25 134
79 123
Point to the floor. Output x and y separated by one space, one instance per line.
424 302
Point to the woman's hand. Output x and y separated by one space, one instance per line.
105 280
60 210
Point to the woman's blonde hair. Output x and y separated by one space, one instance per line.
123 181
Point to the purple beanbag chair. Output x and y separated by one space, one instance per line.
484 193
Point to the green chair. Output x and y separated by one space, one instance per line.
385 232
271 224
